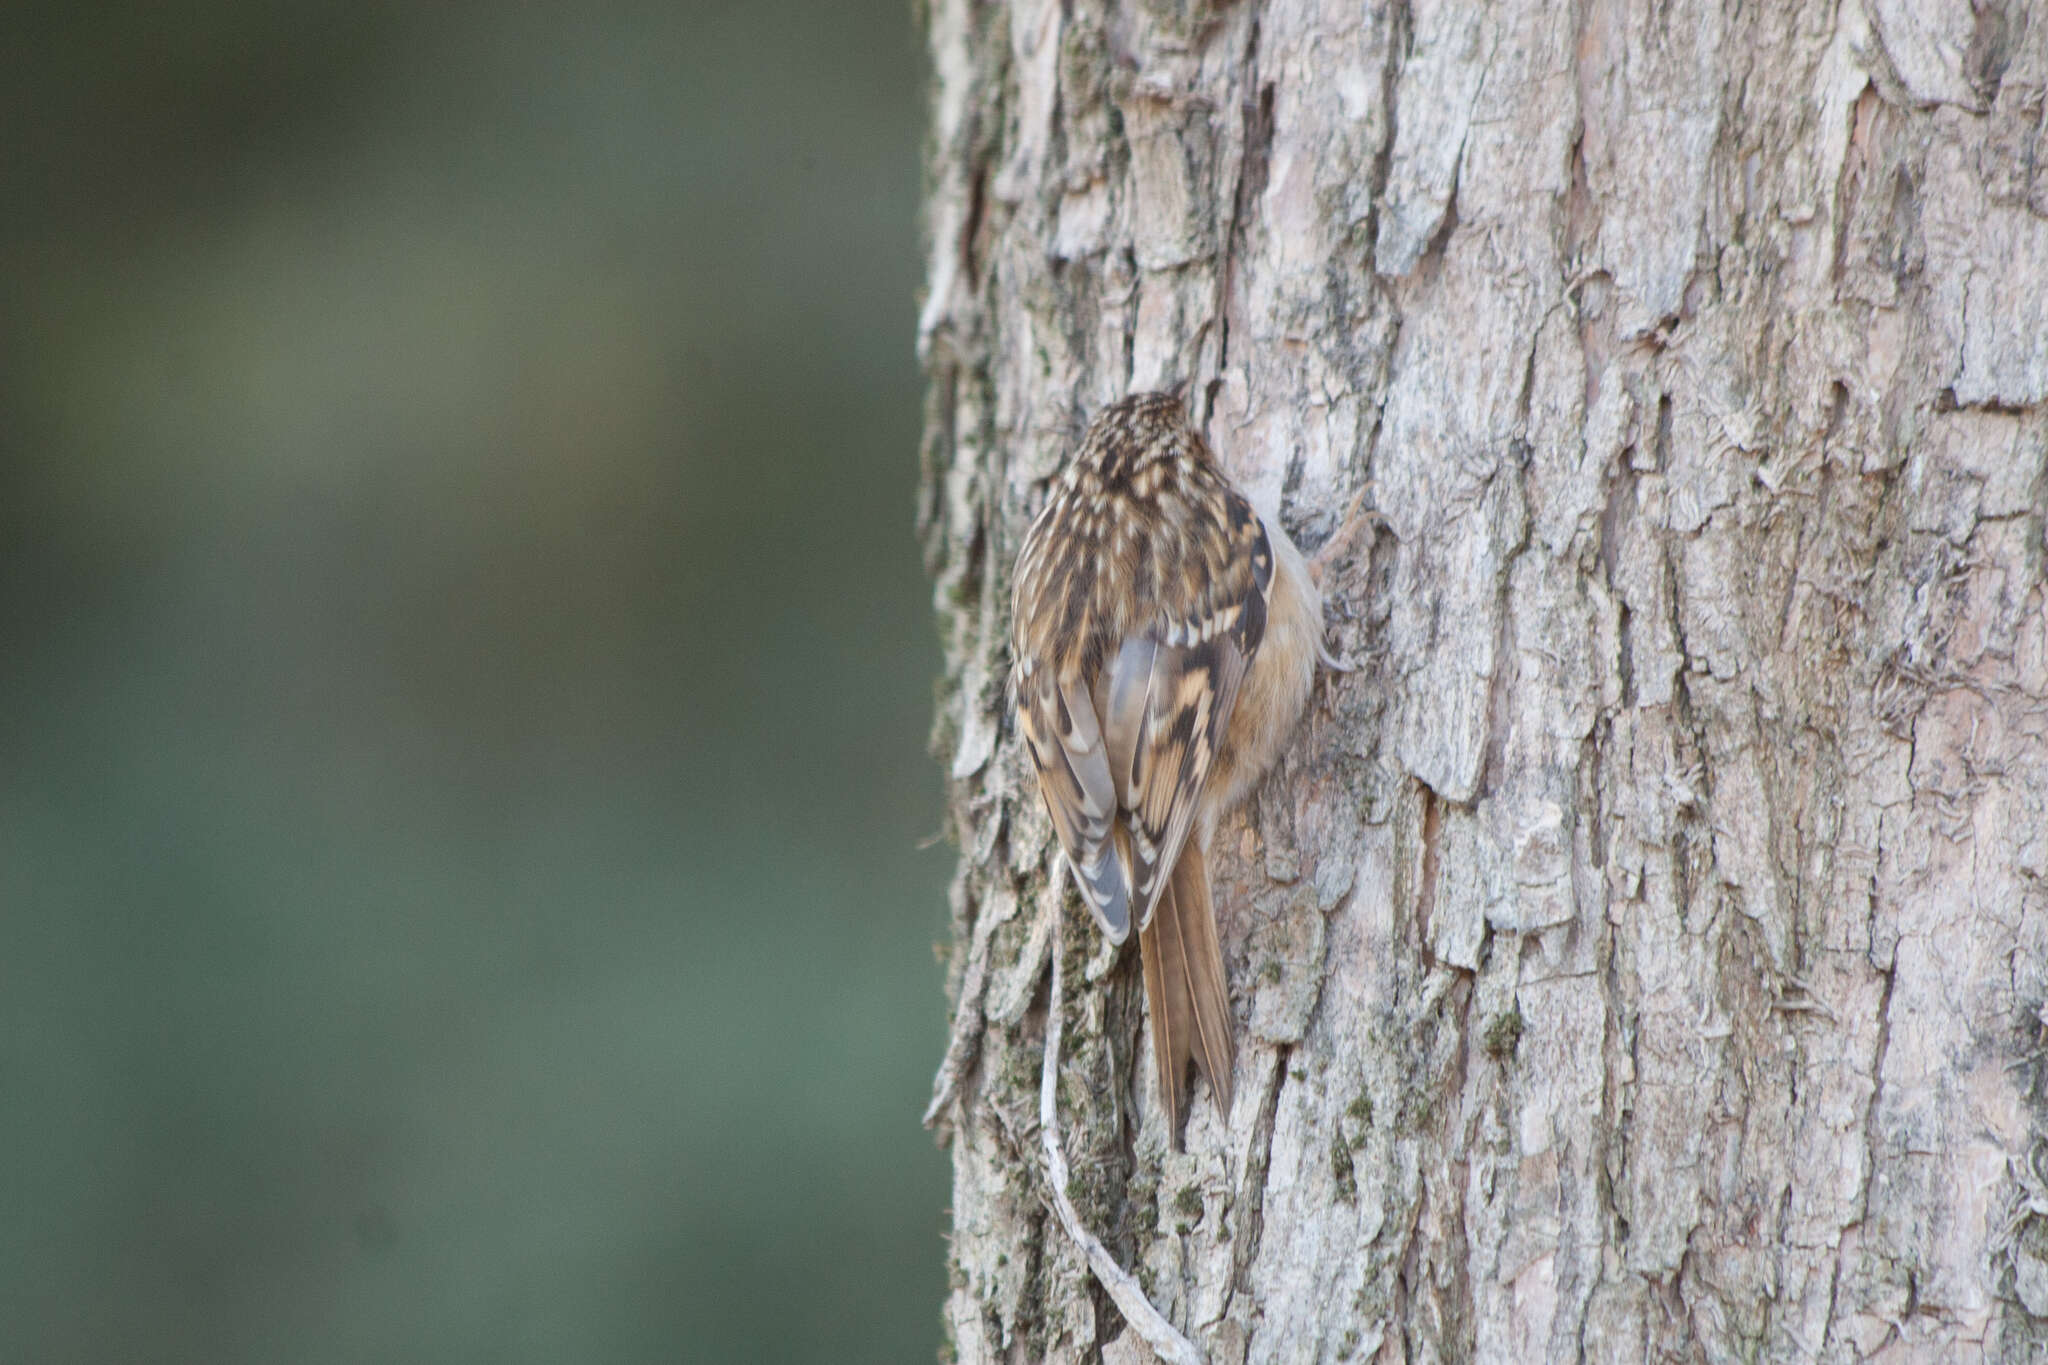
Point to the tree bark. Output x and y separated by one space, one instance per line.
1644 954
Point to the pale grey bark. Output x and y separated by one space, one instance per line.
1644 955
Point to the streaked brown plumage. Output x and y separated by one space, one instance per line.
1163 638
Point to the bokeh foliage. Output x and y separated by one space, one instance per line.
465 677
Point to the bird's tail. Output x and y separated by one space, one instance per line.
1184 989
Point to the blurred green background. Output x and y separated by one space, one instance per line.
464 687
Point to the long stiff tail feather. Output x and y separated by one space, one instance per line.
1184 989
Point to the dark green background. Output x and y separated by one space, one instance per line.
465 679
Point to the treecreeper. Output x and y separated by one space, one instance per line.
1164 637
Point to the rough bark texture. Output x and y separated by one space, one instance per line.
1643 956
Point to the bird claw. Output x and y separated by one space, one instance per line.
1331 661
1347 530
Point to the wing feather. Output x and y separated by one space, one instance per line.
1167 703
1189 694
1067 747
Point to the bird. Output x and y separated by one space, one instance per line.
1164 639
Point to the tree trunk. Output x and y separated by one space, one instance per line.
1643 954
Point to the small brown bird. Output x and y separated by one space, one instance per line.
1163 638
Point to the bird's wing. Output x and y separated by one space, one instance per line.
1066 742
1171 690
